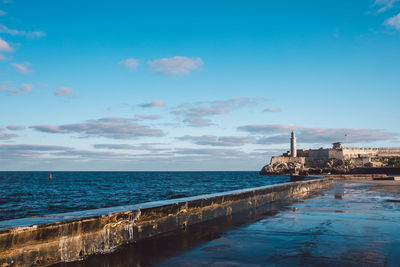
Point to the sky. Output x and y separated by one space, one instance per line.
193 85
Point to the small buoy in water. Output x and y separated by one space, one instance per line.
50 176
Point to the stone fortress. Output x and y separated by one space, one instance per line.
338 159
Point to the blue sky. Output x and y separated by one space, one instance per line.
193 85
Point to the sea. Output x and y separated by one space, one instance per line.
27 194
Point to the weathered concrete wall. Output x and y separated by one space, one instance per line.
41 241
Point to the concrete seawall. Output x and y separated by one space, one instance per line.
41 241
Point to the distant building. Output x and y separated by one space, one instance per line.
293 149
337 156
337 145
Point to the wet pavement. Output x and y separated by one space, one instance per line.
350 224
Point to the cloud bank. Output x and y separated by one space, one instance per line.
385 4
114 127
12 91
6 136
27 34
393 22
211 140
196 114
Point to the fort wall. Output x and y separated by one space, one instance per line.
336 154
318 154
389 152
349 153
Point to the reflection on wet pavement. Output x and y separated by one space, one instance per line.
359 228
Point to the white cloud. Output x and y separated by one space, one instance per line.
4 46
6 136
15 127
385 4
49 128
212 140
13 91
116 120
29 34
176 65
144 147
273 109
194 113
148 117
115 128
130 63
26 87
64 91
155 103
2 13
269 128
22 68
393 22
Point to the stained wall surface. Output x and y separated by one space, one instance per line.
46 240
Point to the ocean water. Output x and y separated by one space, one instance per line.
27 194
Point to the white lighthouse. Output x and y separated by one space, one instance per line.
293 149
